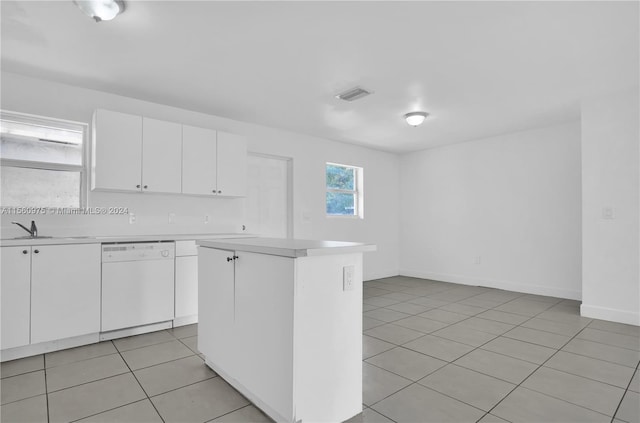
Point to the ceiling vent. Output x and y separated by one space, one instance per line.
353 94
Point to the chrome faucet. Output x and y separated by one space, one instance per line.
33 231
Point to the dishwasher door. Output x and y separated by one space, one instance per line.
136 293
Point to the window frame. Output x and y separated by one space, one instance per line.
31 164
358 212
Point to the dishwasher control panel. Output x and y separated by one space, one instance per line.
135 251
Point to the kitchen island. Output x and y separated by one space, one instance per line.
281 321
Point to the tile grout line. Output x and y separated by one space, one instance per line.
106 411
452 362
139 384
542 393
479 347
46 388
625 393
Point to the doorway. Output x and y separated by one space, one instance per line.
268 207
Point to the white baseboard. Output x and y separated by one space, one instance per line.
185 320
611 314
380 275
47 347
121 333
492 283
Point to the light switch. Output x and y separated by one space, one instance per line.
132 218
172 218
607 212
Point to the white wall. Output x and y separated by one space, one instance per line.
381 172
512 200
610 179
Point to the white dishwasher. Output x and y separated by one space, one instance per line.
137 284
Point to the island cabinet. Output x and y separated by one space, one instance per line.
280 322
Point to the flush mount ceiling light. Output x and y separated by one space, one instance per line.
101 10
415 118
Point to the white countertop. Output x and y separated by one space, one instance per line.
287 247
15 242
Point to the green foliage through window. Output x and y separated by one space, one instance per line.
340 177
342 190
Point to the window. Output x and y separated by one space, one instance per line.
41 161
344 190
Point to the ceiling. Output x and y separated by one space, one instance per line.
479 68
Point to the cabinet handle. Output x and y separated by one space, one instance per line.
25 251
146 186
36 251
138 186
236 257
219 192
214 191
230 258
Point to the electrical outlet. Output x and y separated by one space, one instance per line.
347 277
607 212
172 218
132 218
206 219
477 260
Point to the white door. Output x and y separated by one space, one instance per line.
267 208
117 151
161 156
199 159
65 291
232 165
15 294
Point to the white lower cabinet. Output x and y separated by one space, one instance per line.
246 310
15 294
65 291
49 293
283 331
186 299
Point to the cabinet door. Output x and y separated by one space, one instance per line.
264 323
216 339
116 156
161 156
186 286
198 161
65 291
232 165
15 296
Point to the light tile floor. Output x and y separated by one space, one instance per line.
432 351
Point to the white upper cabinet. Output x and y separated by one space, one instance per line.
117 151
199 160
161 156
140 154
232 165
213 163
